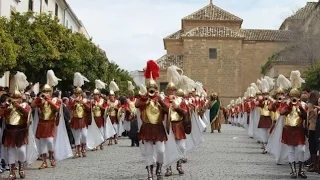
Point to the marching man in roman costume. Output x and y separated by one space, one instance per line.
112 111
176 111
275 147
152 132
98 108
293 133
48 109
265 120
131 120
16 134
81 116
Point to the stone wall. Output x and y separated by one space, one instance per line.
252 57
285 69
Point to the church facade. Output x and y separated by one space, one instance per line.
211 47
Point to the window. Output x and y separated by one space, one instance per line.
67 23
71 28
30 5
163 86
46 1
212 53
12 10
56 10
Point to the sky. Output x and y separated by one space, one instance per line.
132 31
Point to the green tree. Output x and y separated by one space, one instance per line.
8 50
313 77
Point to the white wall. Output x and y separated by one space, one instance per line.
138 77
65 13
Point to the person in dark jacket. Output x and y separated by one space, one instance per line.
67 117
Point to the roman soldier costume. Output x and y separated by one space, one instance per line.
113 105
152 132
293 133
81 116
265 120
131 118
48 109
98 108
176 110
15 131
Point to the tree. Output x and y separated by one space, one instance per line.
313 77
8 50
36 43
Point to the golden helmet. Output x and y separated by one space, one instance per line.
171 86
279 91
46 87
151 84
180 93
16 94
96 92
294 92
78 90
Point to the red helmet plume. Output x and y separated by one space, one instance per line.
152 70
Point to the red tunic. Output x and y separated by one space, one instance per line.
100 120
265 121
15 135
47 128
292 136
177 126
79 123
151 132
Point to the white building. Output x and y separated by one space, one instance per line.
138 77
59 8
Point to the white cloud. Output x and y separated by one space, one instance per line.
132 31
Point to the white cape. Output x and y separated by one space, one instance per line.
251 124
126 125
172 153
61 142
120 128
206 117
256 119
94 137
196 136
108 129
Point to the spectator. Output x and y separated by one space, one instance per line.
67 118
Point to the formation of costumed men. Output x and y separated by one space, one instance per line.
172 123
26 136
165 126
274 115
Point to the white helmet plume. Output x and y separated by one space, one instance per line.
79 79
256 88
270 82
173 74
52 79
265 86
130 86
296 80
259 84
142 89
99 84
283 82
21 81
113 86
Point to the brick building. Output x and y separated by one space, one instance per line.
211 47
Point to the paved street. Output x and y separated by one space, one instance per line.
229 155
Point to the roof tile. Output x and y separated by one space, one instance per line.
176 35
266 35
212 12
303 12
213 32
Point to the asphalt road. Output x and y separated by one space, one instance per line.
229 155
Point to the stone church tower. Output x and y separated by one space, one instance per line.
212 48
